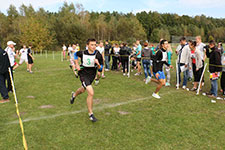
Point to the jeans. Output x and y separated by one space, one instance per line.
185 74
3 89
167 70
107 62
214 87
146 65
114 64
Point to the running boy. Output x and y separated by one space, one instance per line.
91 61
159 60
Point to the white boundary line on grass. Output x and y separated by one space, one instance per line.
85 110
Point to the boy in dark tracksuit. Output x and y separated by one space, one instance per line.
4 65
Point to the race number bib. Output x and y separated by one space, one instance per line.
89 60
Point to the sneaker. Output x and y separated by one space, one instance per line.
96 82
92 118
184 87
128 74
4 101
124 74
203 83
194 89
31 72
136 74
72 98
177 86
103 76
208 93
76 74
148 79
211 96
156 95
167 84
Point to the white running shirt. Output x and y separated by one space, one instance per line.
23 53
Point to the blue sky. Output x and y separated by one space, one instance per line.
214 8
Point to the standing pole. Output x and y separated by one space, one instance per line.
199 84
17 111
129 66
177 71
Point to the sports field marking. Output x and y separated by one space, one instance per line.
104 106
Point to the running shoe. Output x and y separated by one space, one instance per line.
72 98
194 89
156 95
96 82
167 84
137 74
92 118
184 87
4 101
76 74
148 79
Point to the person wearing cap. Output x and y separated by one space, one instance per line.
11 55
4 65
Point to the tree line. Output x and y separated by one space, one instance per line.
73 24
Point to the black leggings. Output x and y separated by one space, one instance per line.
197 74
125 64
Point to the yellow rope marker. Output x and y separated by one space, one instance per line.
17 111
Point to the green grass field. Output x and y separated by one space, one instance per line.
129 118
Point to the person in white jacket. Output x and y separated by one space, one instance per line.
183 62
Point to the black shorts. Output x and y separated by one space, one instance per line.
86 79
30 61
138 59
